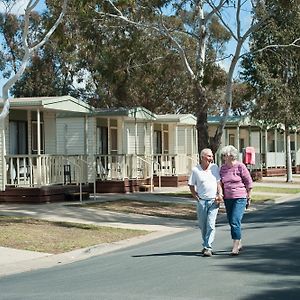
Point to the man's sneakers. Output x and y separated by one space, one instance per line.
206 252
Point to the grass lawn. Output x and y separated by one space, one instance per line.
57 237
271 190
262 198
281 190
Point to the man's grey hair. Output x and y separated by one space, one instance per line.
230 150
204 151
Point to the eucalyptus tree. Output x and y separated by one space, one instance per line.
193 20
273 72
86 60
48 74
32 38
123 67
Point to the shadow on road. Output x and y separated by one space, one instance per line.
178 253
181 253
273 254
278 253
288 290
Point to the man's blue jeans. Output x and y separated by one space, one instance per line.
207 211
235 209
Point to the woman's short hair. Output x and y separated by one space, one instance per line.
230 150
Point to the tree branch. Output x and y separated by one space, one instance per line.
27 51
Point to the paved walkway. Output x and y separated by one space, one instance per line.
14 261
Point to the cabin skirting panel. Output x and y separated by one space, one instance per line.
55 193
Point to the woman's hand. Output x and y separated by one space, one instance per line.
219 199
248 202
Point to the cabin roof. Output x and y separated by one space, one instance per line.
61 103
177 118
136 112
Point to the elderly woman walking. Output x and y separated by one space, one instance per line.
237 184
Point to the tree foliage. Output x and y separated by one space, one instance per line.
274 72
118 65
30 36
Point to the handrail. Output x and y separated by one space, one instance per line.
80 177
84 161
151 171
159 173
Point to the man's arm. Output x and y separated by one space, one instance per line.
193 192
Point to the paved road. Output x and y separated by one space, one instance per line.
172 267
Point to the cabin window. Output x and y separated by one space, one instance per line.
231 139
242 145
166 142
280 142
103 140
17 137
293 146
157 142
271 146
113 141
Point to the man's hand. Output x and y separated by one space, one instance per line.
219 199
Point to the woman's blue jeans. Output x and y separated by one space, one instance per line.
207 211
235 209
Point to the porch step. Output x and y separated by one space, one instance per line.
74 196
274 172
171 181
146 187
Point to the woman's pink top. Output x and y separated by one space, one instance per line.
236 180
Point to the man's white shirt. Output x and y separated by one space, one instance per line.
205 181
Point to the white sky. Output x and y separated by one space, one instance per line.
17 7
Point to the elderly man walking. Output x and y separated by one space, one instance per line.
204 184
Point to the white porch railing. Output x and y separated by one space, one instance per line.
275 159
120 166
38 170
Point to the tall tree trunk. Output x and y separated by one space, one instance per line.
289 173
201 112
202 131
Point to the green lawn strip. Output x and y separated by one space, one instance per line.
262 198
57 237
178 194
281 190
255 197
